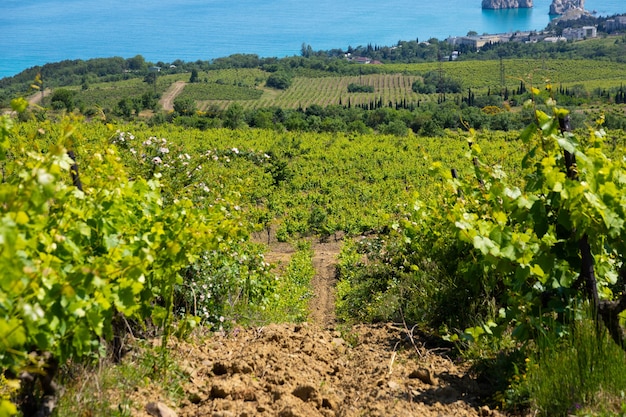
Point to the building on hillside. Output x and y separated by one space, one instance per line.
578 34
452 57
618 23
477 42
363 60
555 39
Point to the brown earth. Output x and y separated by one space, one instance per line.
37 97
322 368
168 97
33 100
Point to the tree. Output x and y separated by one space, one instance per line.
419 86
136 63
184 107
359 88
151 79
125 107
148 101
194 76
280 80
234 116
306 50
63 98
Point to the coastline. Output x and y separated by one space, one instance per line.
35 42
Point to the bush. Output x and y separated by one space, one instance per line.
358 88
184 107
279 80
62 98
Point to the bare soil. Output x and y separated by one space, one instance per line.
36 98
322 368
168 97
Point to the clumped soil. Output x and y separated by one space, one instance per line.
321 368
292 370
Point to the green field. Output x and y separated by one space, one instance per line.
395 81
392 83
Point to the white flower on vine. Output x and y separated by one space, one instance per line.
44 177
156 160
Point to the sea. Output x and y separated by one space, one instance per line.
36 32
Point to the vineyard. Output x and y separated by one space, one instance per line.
329 91
392 83
119 235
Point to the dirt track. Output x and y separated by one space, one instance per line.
322 307
321 368
36 98
167 99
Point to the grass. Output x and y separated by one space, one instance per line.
214 91
586 370
110 389
582 373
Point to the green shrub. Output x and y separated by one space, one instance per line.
279 80
293 290
358 88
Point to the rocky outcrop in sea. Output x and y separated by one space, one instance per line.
507 4
564 6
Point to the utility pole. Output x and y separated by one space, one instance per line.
502 86
440 88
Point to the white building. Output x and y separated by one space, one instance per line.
577 34
615 24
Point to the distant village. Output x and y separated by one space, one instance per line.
476 42
568 34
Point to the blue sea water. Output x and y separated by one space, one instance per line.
35 32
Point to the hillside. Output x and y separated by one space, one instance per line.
315 237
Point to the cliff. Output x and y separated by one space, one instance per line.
507 4
564 6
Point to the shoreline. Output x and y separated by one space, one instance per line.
10 67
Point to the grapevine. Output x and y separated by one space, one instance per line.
551 245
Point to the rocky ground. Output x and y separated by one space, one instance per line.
321 368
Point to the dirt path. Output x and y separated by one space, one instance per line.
320 369
33 100
36 98
322 306
300 370
167 99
